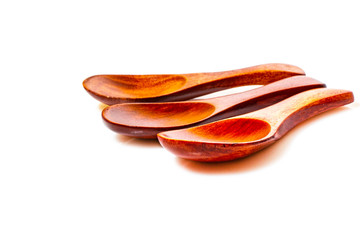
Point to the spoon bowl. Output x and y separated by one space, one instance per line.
145 120
243 135
152 115
113 89
134 86
230 131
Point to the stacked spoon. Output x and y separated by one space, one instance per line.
214 129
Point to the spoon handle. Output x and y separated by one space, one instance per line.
268 94
288 113
256 75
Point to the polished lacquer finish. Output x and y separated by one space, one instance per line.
112 89
145 120
243 135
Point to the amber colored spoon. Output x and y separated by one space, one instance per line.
112 89
145 120
243 135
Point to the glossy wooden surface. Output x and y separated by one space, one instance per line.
112 89
243 135
145 120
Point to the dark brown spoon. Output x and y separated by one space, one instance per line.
145 120
112 89
243 135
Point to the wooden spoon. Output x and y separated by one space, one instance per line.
112 89
145 120
240 136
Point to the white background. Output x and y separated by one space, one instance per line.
64 175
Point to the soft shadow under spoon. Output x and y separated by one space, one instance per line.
243 135
112 89
145 120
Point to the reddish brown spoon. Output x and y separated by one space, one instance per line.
240 136
145 120
112 89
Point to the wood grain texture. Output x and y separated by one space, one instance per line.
243 135
146 120
113 89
